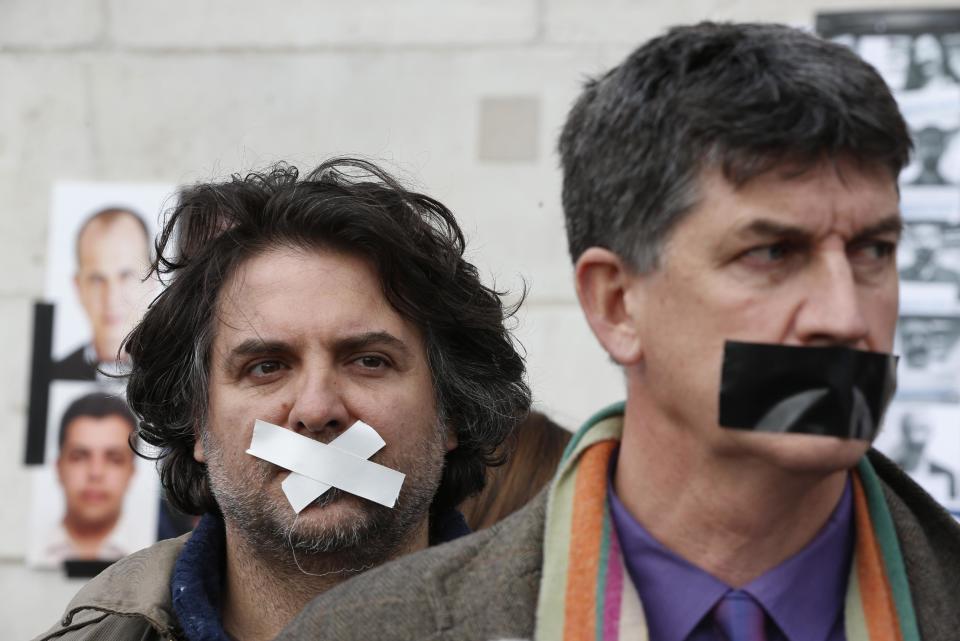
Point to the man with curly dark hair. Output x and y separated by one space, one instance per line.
313 304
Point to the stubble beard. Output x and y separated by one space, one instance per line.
367 534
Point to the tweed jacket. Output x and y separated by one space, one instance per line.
485 586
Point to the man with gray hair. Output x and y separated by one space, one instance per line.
730 193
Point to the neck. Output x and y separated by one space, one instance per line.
107 350
88 537
263 593
735 518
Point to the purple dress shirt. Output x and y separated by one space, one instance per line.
803 596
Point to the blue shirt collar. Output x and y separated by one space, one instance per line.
804 595
198 579
198 573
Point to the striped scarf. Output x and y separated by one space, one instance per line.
586 592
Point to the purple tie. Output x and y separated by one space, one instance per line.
739 617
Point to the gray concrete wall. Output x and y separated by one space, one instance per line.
463 97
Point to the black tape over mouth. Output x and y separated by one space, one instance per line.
828 391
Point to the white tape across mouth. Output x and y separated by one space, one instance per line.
316 467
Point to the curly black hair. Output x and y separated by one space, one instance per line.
347 205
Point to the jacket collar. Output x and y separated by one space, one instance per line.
138 585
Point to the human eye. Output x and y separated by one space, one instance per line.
876 252
262 370
877 249
372 362
768 255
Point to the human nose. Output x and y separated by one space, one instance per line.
832 311
95 468
111 295
319 408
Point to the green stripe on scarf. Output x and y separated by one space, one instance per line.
602 579
612 411
890 547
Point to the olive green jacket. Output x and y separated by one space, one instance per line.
129 601
485 586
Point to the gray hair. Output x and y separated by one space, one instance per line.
742 98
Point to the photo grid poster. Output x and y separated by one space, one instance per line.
92 499
918 54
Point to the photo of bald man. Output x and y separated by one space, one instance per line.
113 252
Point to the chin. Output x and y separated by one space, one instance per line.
344 508
97 519
811 454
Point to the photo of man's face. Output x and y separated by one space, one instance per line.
112 260
87 502
94 467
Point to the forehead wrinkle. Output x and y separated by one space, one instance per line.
892 223
820 217
807 220
766 227
228 295
244 320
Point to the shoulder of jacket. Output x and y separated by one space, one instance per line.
98 625
929 542
510 549
484 583
134 591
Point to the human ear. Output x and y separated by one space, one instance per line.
603 283
198 454
452 441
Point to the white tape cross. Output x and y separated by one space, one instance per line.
342 463
359 439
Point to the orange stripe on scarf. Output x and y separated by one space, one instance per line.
585 541
876 594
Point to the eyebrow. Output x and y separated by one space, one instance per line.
254 347
261 347
75 447
773 229
371 339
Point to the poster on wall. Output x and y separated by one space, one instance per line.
93 500
89 498
99 250
918 436
918 54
